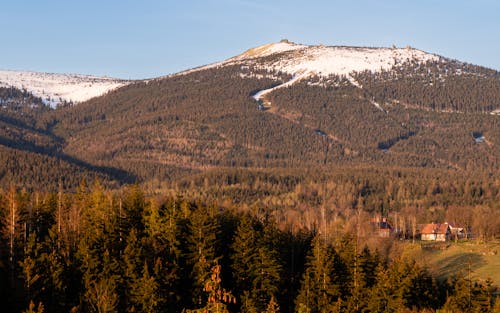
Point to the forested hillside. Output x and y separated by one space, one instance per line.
408 110
102 251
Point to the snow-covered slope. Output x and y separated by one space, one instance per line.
321 60
302 62
56 88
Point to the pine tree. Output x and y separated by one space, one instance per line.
99 252
12 228
132 209
32 269
265 277
384 298
203 230
55 278
101 295
33 309
368 264
133 259
217 297
272 307
244 253
256 268
420 289
144 293
163 242
318 292
461 298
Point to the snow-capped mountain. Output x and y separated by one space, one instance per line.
300 61
323 61
57 88
280 105
303 62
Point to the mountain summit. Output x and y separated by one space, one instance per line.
322 60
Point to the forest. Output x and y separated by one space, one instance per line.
179 194
415 116
102 250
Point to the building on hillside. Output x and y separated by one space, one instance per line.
382 227
457 233
435 232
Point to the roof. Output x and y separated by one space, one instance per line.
381 223
434 228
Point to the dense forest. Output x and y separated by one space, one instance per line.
416 116
98 250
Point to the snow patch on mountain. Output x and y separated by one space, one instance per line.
259 95
268 49
342 61
302 62
323 61
57 88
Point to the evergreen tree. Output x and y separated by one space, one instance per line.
272 307
203 230
32 268
144 293
217 297
319 292
132 209
256 269
384 295
34 309
243 254
133 259
101 295
265 278
468 297
55 279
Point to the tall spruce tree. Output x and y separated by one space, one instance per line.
319 292
255 264
203 228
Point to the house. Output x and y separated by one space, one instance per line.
435 232
382 227
457 232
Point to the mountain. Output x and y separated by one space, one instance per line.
56 89
289 108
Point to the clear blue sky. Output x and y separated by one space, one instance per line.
148 38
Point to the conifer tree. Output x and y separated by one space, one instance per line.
203 229
163 243
32 308
272 307
384 297
256 268
244 252
265 277
132 209
144 293
55 278
32 269
132 259
217 297
318 292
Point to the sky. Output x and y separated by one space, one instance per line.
134 39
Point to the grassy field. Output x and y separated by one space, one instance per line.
450 258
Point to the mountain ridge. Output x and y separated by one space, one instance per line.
248 113
55 89
293 59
